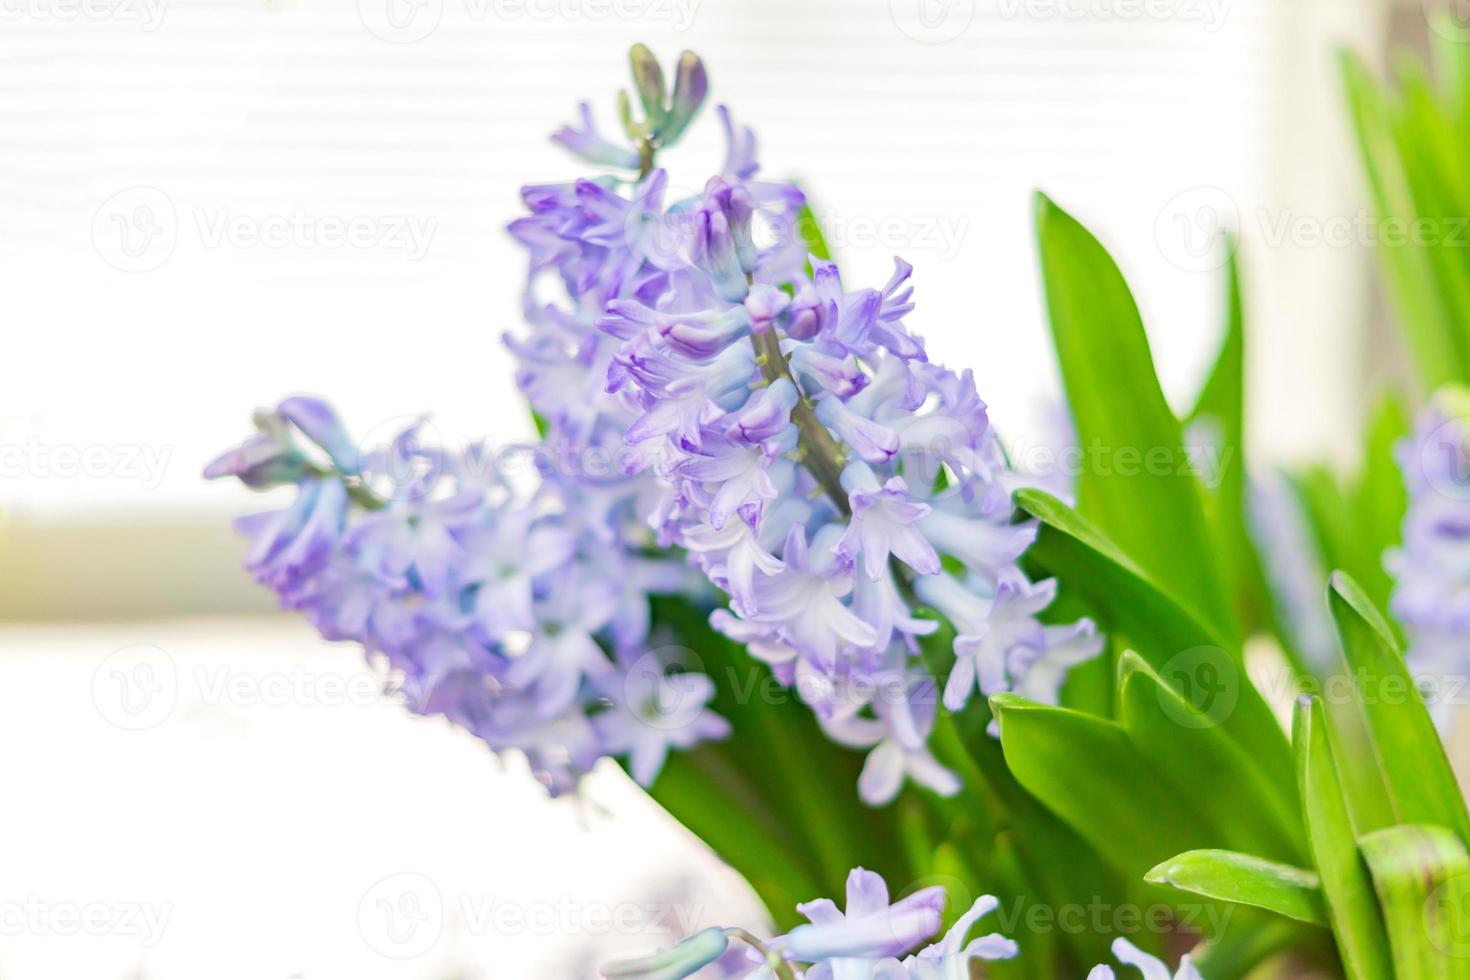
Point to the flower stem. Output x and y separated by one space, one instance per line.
822 456
778 966
646 150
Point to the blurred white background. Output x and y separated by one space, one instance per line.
170 175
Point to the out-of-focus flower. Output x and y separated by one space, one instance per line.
1151 967
1431 595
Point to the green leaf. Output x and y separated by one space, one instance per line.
1179 646
1422 875
1352 909
1404 748
1220 413
1087 771
1379 499
1246 880
1423 315
1181 742
812 237
1139 481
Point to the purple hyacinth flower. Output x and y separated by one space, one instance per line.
871 927
588 144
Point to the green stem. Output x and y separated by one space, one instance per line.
646 150
819 453
360 493
777 965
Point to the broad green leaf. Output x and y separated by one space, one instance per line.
1351 904
1087 771
1403 746
1245 879
1179 646
1422 875
1138 487
1182 743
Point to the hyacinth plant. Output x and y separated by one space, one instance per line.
773 561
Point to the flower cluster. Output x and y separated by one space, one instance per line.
525 619
1431 595
704 386
820 468
867 940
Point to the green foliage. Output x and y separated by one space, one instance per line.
1136 484
1422 877
1246 880
1356 920
1412 136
